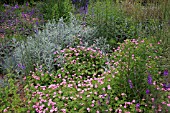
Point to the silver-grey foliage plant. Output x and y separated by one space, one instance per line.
55 37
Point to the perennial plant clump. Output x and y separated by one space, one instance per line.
139 74
55 36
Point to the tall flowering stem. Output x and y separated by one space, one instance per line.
130 83
149 79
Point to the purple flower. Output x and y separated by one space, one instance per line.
147 91
32 12
13 8
108 98
16 6
166 73
99 102
21 66
137 105
5 5
130 83
149 79
27 4
166 86
36 23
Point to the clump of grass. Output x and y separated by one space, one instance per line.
142 13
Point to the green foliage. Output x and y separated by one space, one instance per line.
71 71
55 9
6 50
17 1
85 62
73 90
82 87
9 98
110 22
62 9
135 60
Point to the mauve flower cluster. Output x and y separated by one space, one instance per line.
51 98
84 58
67 90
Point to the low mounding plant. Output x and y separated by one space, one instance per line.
55 36
82 85
139 73
82 62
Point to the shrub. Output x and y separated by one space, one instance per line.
81 61
62 9
55 36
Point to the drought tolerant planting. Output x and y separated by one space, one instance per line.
80 56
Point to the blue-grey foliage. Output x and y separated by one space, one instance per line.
55 36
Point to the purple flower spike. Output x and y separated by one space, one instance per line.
147 91
166 73
130 83
149 79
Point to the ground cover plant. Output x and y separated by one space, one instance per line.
86 56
